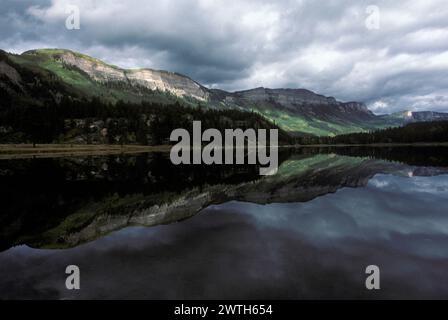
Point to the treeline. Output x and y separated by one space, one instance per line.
436 131
120 123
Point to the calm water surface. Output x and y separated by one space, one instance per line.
139 227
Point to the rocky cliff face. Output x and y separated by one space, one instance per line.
428 116
405 117
307 106
151 79
9 73
298 100
286 97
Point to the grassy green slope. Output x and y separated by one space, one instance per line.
80 83
295 123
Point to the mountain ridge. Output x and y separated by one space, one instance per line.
295 110
104 72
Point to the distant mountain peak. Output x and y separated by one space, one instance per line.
415 116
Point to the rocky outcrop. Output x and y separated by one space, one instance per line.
9 72
286 97
99 71
300 102
167 81
9 77
405 117
429 116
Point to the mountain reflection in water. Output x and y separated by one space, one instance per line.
307 232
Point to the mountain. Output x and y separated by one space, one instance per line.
102 73
70 74
81 75
301 110
416 116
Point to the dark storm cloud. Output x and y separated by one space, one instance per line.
324 46
15 24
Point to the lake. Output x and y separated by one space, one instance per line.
139 227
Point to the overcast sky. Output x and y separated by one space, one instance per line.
393 56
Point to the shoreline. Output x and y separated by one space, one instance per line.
392 144
24 151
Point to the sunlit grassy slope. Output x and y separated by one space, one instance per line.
42 60
296 123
